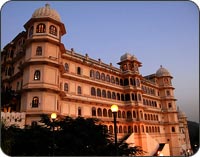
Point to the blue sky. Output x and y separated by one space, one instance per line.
157 33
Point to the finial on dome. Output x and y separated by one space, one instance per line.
162 72
46 11
47 5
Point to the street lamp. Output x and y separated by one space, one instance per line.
114 109
53 117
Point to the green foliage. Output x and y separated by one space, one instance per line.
74 137
193 129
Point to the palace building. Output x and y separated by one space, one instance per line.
49 78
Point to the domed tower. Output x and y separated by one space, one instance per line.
131 77
41 65
169 110
45 22
130 63
163 78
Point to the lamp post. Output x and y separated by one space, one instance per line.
114 109
53 117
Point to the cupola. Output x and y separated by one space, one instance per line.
46 11
162 72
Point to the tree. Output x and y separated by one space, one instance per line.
193 129
72 137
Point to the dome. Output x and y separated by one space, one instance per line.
181 114
162 72
46 11
127 56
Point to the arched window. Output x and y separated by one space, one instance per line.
150 102
133 96
142 128
109 94
109 113
113 95
98 92
137 82
34 123
31 31
105 128
107 78
35 101
97 75
103 93
120 129
154 117
157 117
134 114
66 67
131 81
102 76
79 90
122 97
145 116
121 82
66 87
125 129
148 91
92 73
93 111
152 129
155 104
148 117
139 97
141 114
39 51
112 79
169 105
104 112
119 114
130 130
111 129
53 30
135 129
144 102
9 71
79 111
147 102
147 130
41 28
37 75
129 115
123 114
117 81
127 97
158 129
93 91
79 71
173 129
118 96
168 93
99 112
126 82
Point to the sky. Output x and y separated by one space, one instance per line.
157 33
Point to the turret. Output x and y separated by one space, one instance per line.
42 59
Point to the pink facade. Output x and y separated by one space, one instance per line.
50 78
